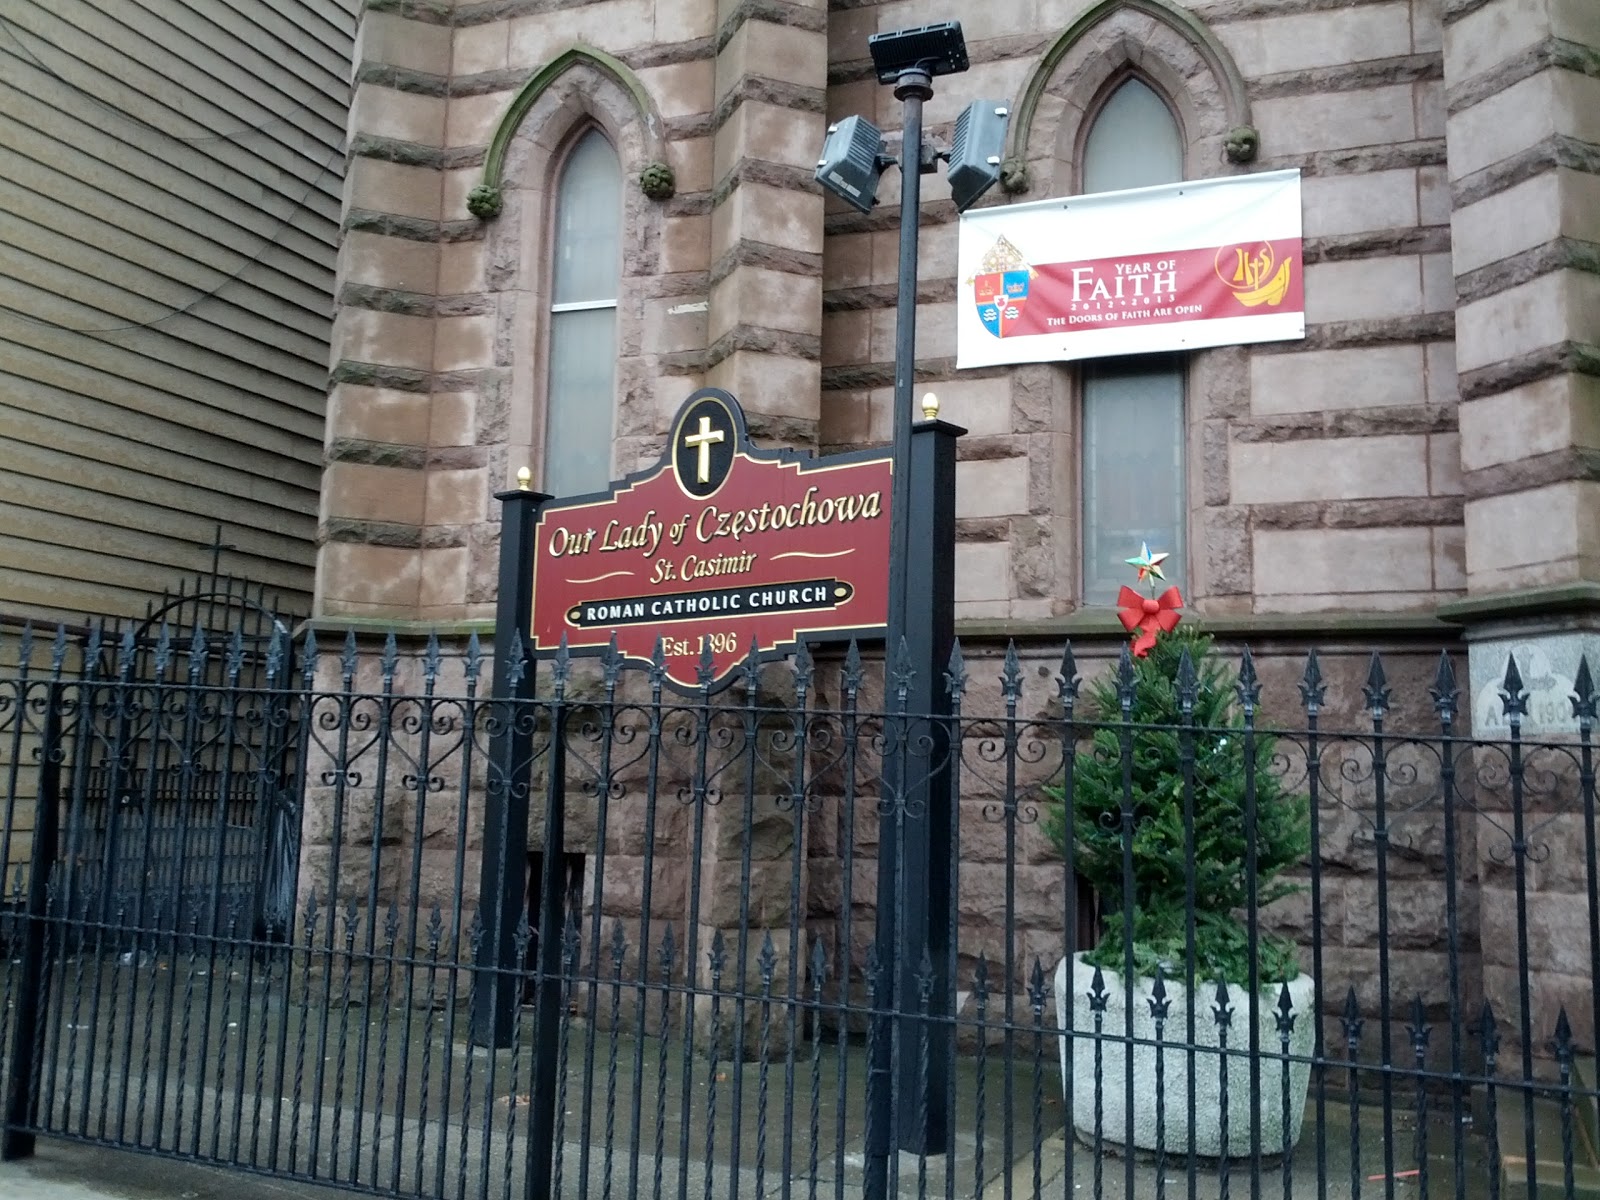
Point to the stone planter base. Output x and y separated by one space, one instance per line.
1205 1129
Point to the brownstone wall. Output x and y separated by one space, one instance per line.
1523 105
1323 474
1424 460
1527 280
439 353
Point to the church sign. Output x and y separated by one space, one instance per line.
718 547
1211 262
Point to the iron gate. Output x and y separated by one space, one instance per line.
187 810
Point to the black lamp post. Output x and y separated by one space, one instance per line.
909 60
914 872
853 159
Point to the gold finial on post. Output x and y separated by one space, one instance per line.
930 407
524 479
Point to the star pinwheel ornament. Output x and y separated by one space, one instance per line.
1149 565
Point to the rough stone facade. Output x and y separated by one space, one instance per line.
1421 473
1427 451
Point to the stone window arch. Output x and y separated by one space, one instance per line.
581 103
1158 41
1131 461
1160 47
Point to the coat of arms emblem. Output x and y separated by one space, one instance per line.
1000 288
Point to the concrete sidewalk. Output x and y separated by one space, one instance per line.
67 1171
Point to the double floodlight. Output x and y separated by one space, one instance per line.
853 156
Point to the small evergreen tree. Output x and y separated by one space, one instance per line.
1159 850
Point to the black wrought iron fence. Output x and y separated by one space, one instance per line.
1195 936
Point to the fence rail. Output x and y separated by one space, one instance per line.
1196 935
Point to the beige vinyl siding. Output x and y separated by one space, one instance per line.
170 176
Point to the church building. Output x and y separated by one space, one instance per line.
561 220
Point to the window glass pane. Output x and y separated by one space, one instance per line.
577 439
1133 487
588 223
1133 142
1133 424
577 432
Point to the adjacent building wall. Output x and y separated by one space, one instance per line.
169 215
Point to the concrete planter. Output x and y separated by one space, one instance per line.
1204 1129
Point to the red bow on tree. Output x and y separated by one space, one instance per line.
1145 616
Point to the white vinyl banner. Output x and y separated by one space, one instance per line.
1213 262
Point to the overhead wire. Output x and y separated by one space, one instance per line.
10 29
268 244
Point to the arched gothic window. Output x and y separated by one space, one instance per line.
1133 422
586 257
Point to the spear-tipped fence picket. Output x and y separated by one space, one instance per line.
720 981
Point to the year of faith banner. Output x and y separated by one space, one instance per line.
1212 262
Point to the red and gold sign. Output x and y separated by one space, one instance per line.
718 547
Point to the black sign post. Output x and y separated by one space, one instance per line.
502 888
660 532
914 869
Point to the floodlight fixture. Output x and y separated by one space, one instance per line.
975 152
852 162
932 49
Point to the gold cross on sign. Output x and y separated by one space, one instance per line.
703 442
